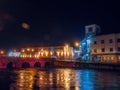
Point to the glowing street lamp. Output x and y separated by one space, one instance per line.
2 52
76 44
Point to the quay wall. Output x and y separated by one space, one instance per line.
83 65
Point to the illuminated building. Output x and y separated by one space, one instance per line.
90 31
100 48
61 52
106 48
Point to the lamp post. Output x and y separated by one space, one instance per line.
77 49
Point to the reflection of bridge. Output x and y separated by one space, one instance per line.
25 62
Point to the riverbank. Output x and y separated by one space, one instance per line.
82 65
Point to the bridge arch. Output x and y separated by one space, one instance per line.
25 65
10 65
37 64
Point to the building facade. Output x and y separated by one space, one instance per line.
85 45
60 52
105 48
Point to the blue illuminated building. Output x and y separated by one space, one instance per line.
90 31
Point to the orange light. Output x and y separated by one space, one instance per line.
1 52
25 26
76 44
32 50
51 53
23 50
68 54
28 49
58 53
46 53
61 53
64 53
41 53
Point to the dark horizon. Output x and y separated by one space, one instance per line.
53 22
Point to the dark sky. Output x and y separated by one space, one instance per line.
53 22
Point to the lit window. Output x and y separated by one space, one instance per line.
108 58
112 58
104 58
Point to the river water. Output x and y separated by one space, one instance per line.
59 79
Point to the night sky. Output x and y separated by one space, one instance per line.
53 22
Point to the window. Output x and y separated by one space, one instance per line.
110 41
112 58
104 58
103 49
95 42
119 57
95 50
102 41
111 49
118 40
118 49
90 29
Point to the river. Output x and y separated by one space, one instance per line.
59 79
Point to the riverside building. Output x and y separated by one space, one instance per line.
98 47
106 48
59 52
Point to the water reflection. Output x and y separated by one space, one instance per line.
24 80
85 80
65 79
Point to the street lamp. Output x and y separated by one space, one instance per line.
77 49
76 44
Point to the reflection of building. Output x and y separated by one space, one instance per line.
106 48
58 79
24 80
46 52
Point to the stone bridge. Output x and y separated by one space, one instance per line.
9 63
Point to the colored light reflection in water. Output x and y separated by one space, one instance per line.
84 79
65 79
24 80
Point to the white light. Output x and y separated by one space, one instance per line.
14 54
76 51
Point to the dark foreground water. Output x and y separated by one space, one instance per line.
59 79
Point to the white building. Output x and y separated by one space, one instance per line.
106 48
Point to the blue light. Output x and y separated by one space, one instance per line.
77 51
87 55
84 43
88 41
